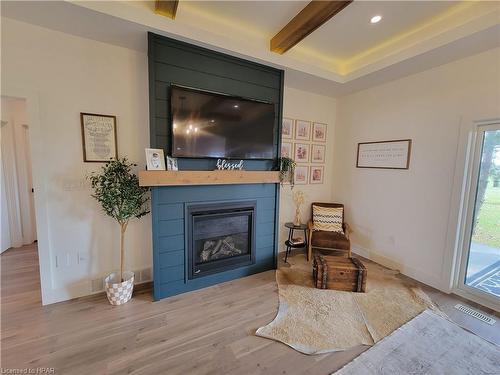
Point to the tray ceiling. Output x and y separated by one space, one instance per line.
346 53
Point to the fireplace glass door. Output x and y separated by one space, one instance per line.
220 239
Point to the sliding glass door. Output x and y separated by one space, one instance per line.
480 269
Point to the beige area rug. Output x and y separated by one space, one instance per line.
315 321
428 344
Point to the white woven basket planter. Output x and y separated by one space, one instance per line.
119 292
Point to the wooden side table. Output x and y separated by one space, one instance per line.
289 244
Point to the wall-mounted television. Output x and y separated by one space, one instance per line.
212 125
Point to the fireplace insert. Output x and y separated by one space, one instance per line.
220 237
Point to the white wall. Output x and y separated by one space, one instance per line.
73 75
304 105
407 219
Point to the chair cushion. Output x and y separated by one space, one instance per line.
330 240
328 218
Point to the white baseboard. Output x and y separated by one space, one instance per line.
82 289
406 270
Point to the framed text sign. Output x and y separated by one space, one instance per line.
98 137
384 154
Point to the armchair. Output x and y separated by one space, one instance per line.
326 240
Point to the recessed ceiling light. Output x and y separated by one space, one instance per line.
236 106
376 19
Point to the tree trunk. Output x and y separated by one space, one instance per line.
123 228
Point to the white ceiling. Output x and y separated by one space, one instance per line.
350 32
268 17
344 55
347 34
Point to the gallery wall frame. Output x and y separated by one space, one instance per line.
319 132
302 130
305 142
391 154
287 150
302 151
287 129
301 175
318 153
316 174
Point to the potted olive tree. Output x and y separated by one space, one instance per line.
117 189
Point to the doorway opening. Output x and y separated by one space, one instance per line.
18 219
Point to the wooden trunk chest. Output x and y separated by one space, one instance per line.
339 273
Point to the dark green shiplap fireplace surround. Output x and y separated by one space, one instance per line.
172 62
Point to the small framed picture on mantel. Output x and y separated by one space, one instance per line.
155 159
98 137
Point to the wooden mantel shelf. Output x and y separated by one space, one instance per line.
179 178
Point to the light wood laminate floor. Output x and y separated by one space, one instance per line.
210 331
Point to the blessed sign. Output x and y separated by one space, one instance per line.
226 165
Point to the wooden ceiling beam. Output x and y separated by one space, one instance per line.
315 14
166 8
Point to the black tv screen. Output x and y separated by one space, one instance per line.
212 125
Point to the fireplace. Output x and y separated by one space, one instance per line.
221 237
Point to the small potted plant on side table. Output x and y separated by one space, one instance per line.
117 189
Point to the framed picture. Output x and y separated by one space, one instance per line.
172 164
384 154
98 137
287 128
302 152
302 130
319 132
318 153
301 174
286 150
317 172
155 160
